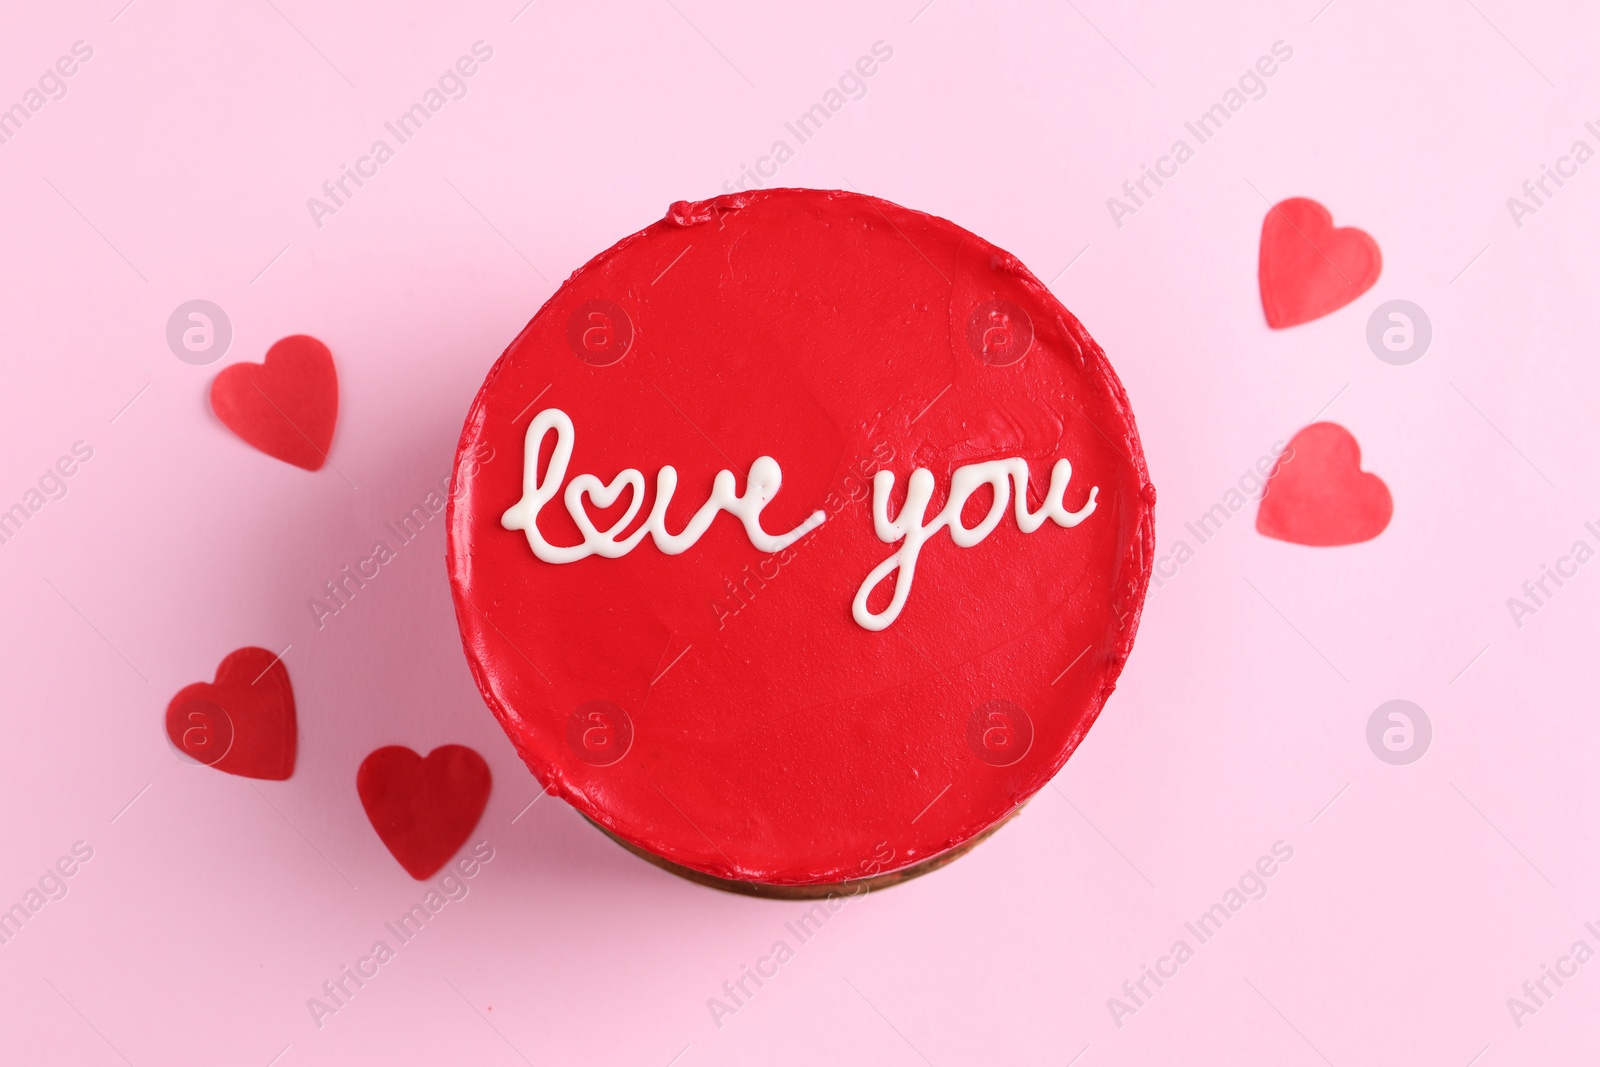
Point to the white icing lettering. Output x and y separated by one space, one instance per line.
912 532
760 487
910 528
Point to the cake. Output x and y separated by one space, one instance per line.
799 539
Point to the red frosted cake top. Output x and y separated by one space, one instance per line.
813 667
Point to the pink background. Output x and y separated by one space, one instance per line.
1418 898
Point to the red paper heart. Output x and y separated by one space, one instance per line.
1318 494
423 809
1309 268
243 722
285 406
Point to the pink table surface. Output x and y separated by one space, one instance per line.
1418 899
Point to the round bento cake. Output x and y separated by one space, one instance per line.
799 539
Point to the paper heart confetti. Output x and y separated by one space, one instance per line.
423 809
1317 494
243 722
285 406
1308 267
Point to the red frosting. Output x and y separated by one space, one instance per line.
721 708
